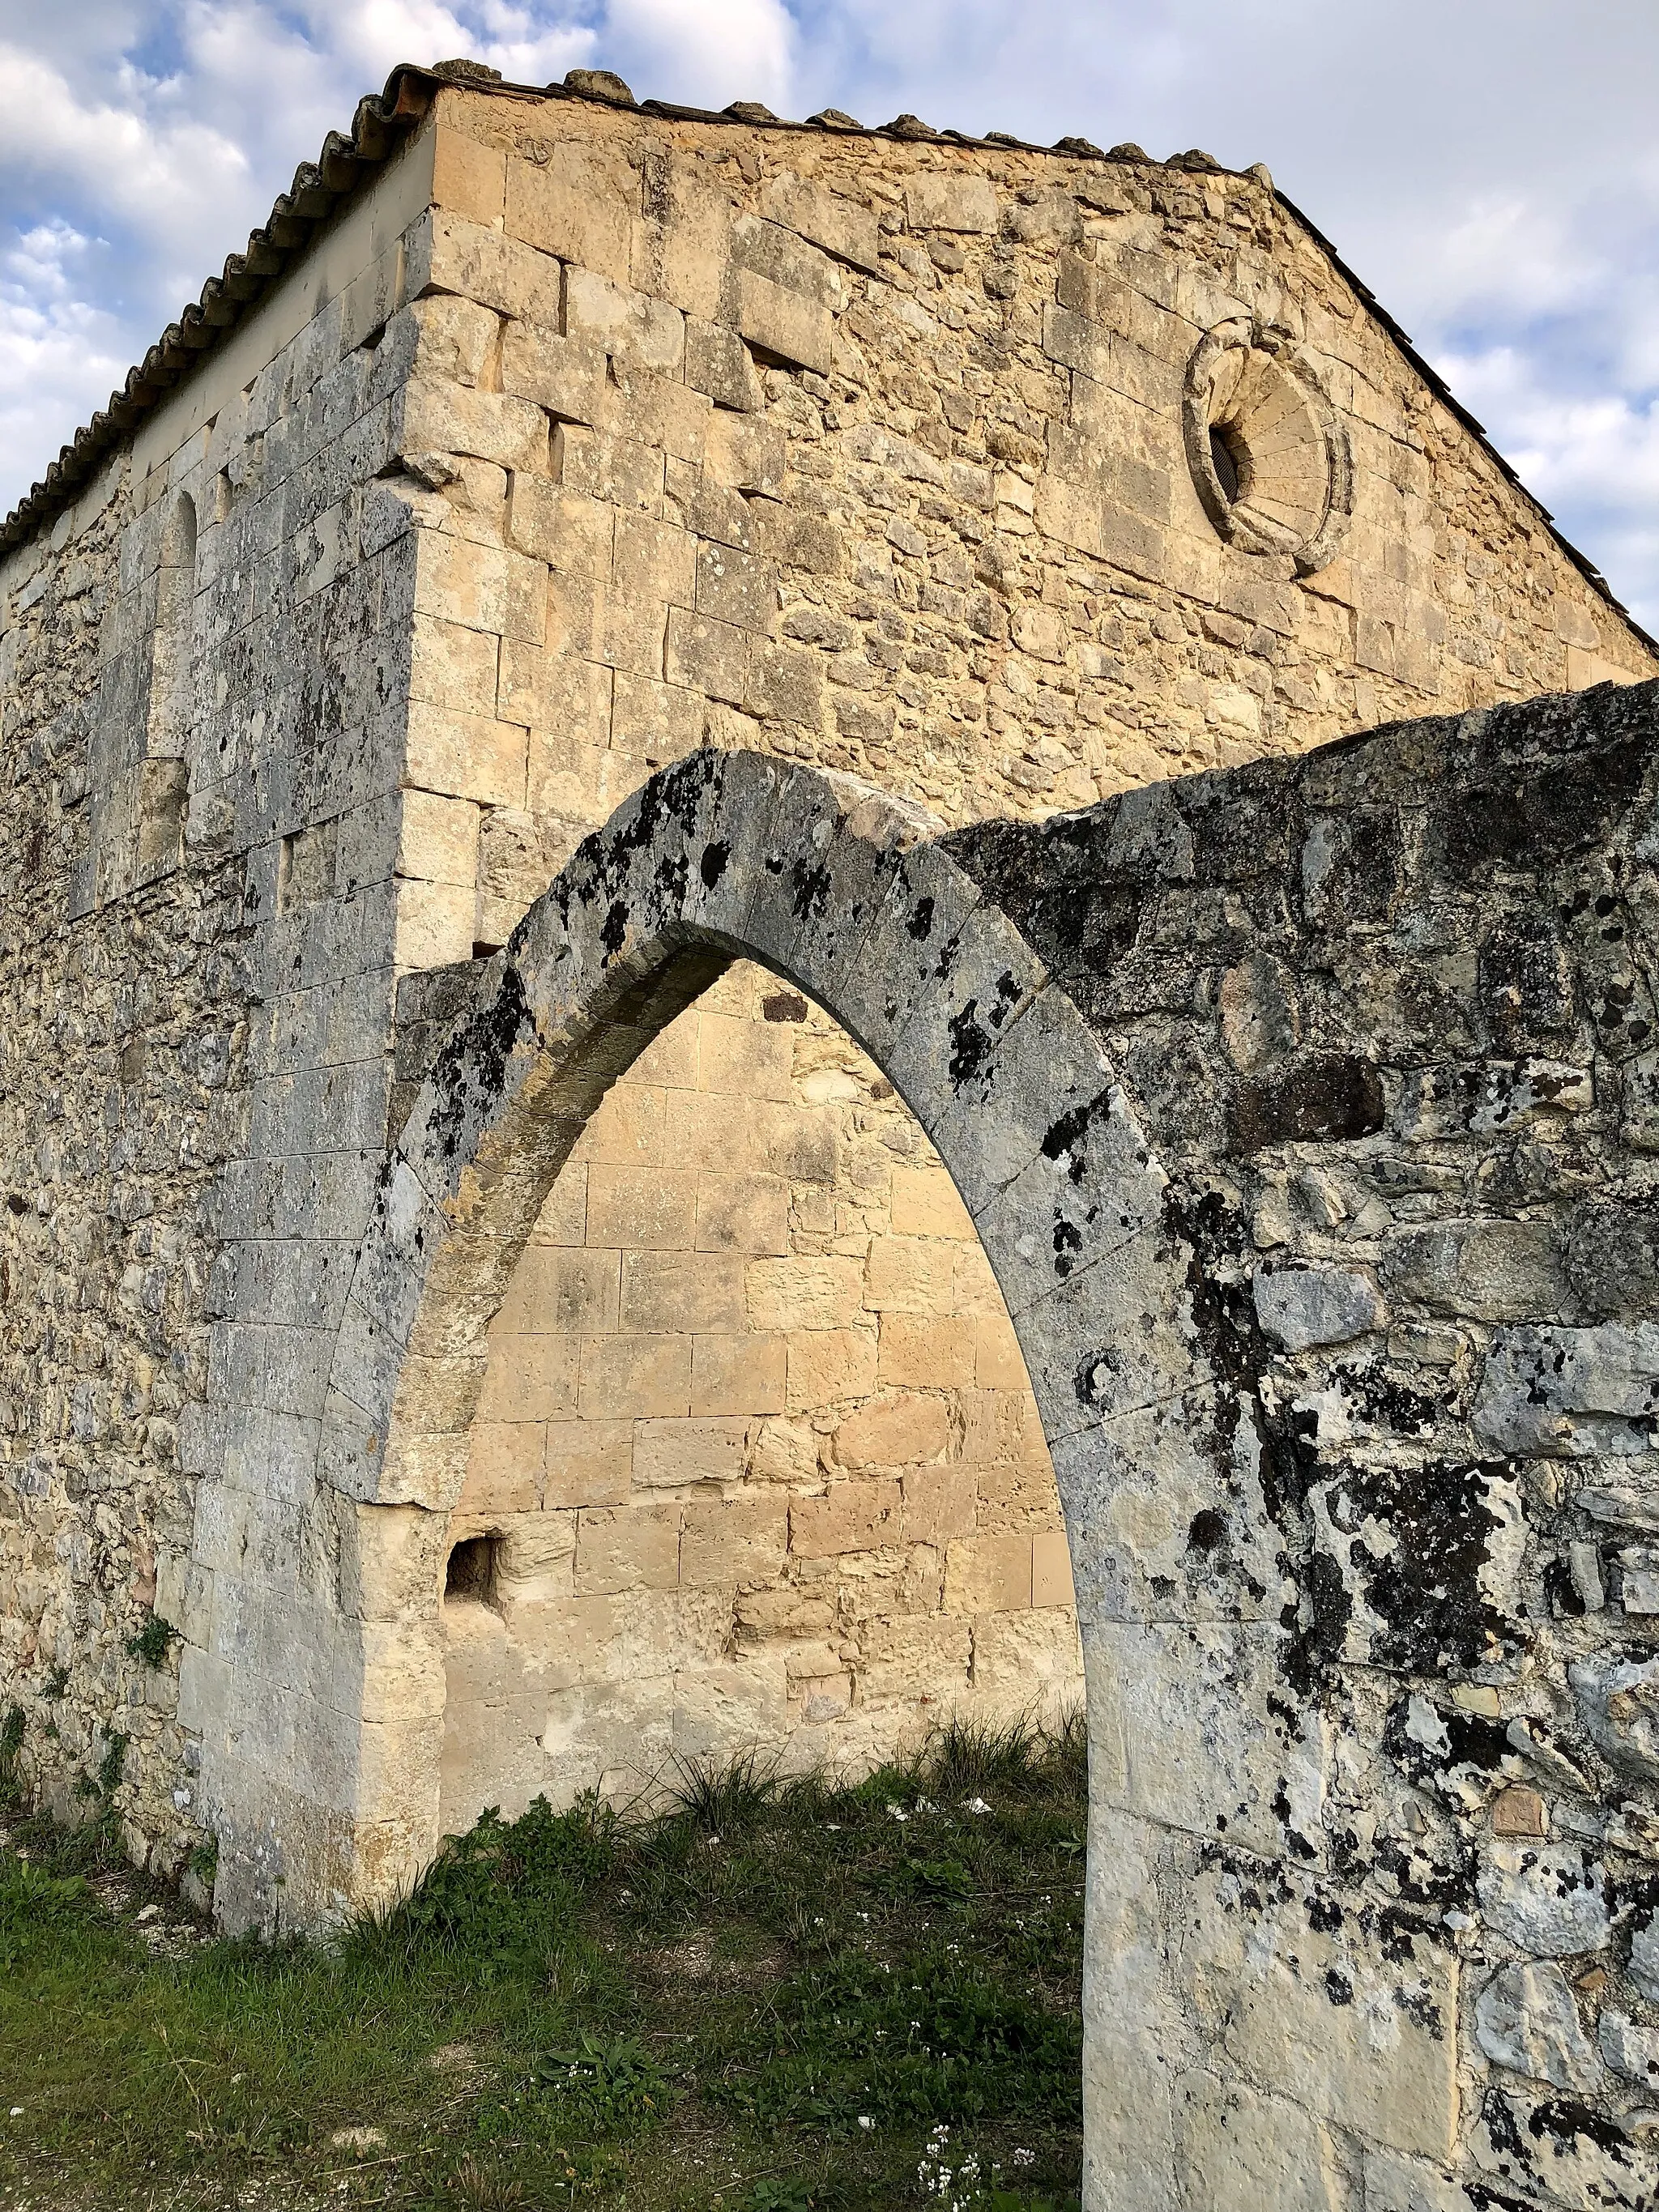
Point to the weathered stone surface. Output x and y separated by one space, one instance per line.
1548 1899
1300 1307
1526 2020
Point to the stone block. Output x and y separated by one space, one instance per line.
671 1453
454 340
739 1374
529 1378
900 1430
631 326
909 1275
627 1548
448 254
681 1291
435 923
1276 1982
917 1354
744 1059
453 665
1300 1307
559 1292
434 417
654 560
779 321
735 587
706 656
1484 1270
629 1378
587 1462
564 375
998 1365
468 179
926 1203
454 753
950 200
503 1468
658 722
939 1504
719 363
743 1214
651 1209
746 453
715 1707
627 1129
1051 1570
576 202
841 226
484 587
851 1516
828 1366
566 529
438 839
624 472
987 1574
803 1292
733 1542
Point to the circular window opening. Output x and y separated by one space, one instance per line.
471 1576
1268 455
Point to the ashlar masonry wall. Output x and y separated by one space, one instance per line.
756 1412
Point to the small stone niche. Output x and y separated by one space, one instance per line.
471 1577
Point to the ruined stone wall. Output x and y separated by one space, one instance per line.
1305 1112
122 1034
1365 1550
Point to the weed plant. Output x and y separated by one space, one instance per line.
778 1995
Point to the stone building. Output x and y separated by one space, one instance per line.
489 1308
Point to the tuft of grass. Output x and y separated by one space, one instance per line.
154 1641
11 1744
731 1799
967 1759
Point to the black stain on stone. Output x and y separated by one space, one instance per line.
971 1043
1207 1530
1326 1096
921 923
713 865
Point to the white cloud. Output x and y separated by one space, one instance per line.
705 53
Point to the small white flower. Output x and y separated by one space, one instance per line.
1024 2158
866 2122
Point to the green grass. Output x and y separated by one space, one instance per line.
780 1995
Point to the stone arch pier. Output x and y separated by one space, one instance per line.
1303 1114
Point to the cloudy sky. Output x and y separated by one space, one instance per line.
1489 167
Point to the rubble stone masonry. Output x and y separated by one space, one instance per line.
446 1454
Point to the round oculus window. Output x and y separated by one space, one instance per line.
1268 455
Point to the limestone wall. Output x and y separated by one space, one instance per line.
756 1449
202 727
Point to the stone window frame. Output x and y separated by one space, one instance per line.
1233 517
